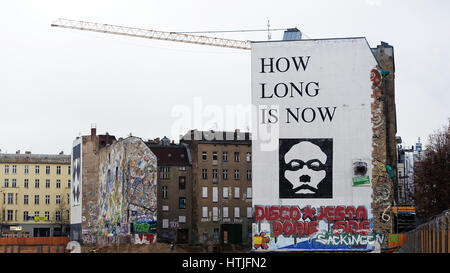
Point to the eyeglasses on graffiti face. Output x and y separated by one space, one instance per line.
313 164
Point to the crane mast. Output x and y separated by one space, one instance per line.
152 34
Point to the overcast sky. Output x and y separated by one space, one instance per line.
56 82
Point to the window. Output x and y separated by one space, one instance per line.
165 223
10 215
204 192
165 208
214 174
237 212
68 169
6 183
215 212
236 156
10 198
36 169
68 183
47 214
68 198
236 192
215 194
6 168
36 199
164 173
249 212
25 183
214 156
225 192
164 192
225 156
25 199
204 212
36 183
58 183
204 156
204 173
58 216
47 199
249 192
225 174
47 169
14 183
182 202
236 174
25 215
248 157
47 183
25 169
182 219
36 214
249 174
14 169
182 182
58 199
58 169
225 212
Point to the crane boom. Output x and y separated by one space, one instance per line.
151 34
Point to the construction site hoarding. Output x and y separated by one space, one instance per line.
312 145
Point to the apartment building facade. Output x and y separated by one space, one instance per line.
35 194
174 191
222 186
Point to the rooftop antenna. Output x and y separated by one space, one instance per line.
269 35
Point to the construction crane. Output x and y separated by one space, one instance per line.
152 34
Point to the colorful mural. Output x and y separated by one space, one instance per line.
314 228
127 193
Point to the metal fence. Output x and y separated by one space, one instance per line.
431 237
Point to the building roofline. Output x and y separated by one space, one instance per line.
35 158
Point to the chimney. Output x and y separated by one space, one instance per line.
18 152
28 152
93 131
61 153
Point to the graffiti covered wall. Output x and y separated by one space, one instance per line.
313 148
126 194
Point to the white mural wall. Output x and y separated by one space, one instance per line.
312 144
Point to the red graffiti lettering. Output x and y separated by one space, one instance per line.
339 213
298 229
351 212
308 213
277 228
259 213
361 213
294 213
288 228
283 215
274 213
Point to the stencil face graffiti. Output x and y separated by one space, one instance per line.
306 168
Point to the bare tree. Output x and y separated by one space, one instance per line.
432 175
64 217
